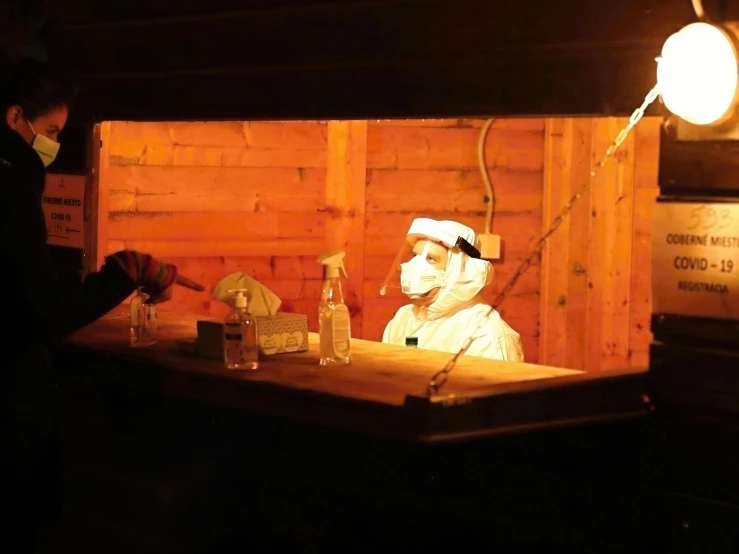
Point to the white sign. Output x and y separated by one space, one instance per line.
695 260
64 204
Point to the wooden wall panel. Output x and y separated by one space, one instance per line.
429 168
215 198
266 198
595 270
609 252
345 208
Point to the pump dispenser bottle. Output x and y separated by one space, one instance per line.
240 346
334 323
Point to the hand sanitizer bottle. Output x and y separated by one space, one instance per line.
240 346
143 320
333 316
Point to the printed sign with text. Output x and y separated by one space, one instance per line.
64 202
695 260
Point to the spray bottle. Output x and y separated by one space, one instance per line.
240 346
334 323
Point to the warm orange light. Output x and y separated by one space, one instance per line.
698 73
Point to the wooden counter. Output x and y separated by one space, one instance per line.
382 391
165 452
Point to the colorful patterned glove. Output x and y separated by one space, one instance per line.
146 271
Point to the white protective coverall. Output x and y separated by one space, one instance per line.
452 317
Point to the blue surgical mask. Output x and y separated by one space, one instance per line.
46 148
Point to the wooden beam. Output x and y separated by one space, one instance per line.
99 195
557 167
646 172
609 256
564 281
345 206
89 262
569 57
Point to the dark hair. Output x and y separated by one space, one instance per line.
36 88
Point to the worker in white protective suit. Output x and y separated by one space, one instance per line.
442 274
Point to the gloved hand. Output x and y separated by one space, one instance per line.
155 277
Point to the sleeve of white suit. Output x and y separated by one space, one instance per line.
513 348
487 346
387 333
504 347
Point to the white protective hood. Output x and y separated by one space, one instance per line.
465 276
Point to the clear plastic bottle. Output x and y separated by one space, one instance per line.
240 345
334 322
143 320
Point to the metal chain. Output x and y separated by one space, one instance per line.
440 377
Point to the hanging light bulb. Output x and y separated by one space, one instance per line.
697 74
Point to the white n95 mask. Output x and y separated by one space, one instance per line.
419 277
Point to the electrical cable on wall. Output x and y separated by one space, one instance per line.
490 200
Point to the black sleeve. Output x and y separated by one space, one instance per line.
42 303
77 304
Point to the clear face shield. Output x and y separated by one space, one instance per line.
420 265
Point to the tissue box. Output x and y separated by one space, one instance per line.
277 334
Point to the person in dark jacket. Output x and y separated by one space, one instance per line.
38 309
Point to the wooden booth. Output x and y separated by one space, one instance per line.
221 154
268 197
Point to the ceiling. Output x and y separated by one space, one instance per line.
302 59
